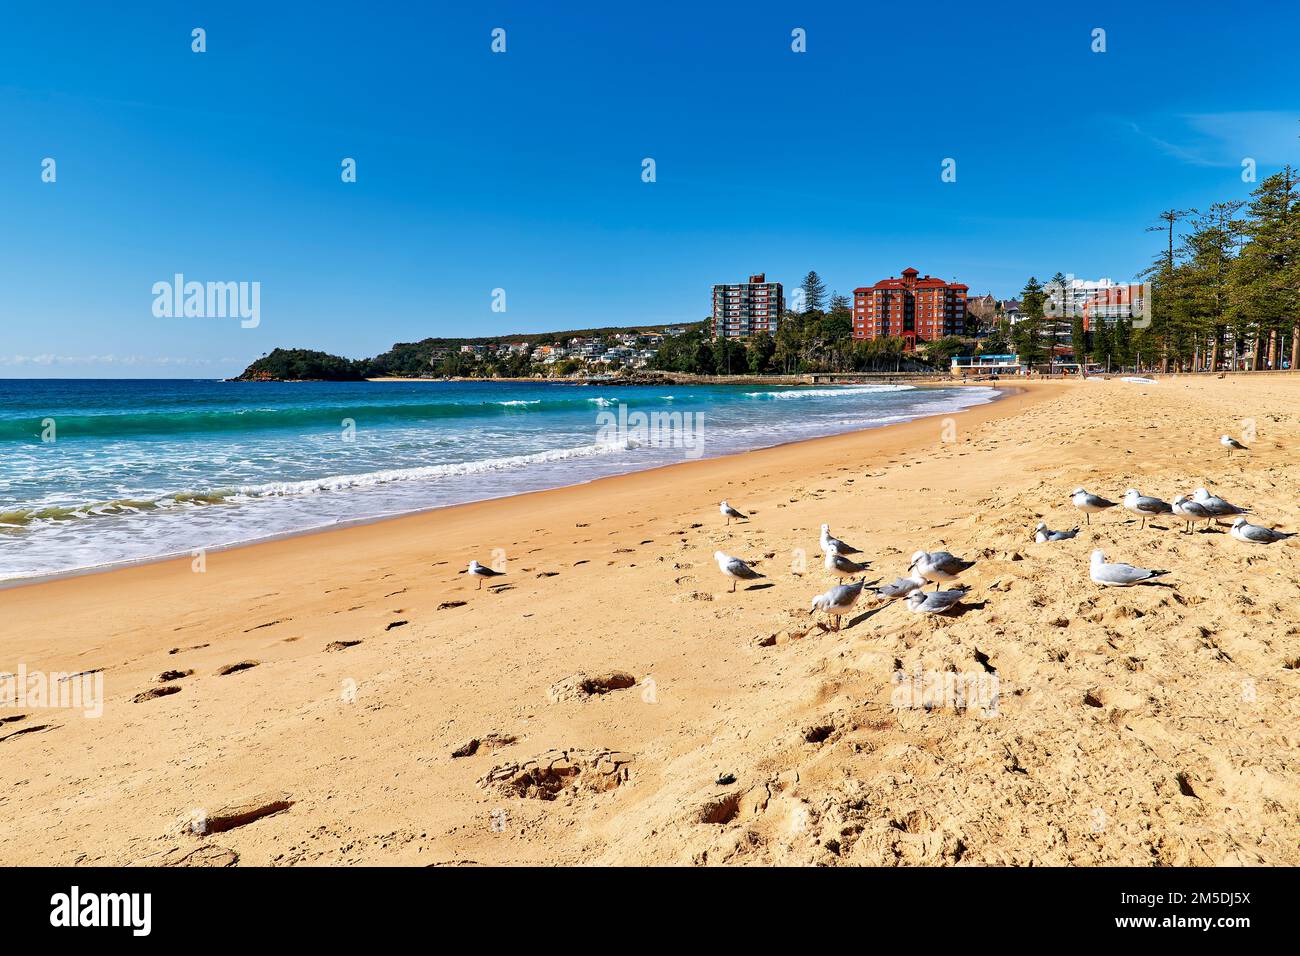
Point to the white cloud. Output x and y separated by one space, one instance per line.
1270 137
48 359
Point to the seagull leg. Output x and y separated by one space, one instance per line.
733 585
480 585
1088 516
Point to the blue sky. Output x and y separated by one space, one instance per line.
522 170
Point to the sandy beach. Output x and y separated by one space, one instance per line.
614 703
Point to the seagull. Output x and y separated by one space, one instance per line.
1216 505
1191 511
482 572
1118 575
1144 506
835 544
1228 442
934 602
838 564
938 566
735 569
901 587
729 512
1043 534
1243 530
1089 503
838 601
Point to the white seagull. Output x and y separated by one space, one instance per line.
1043 534
1191 511
835 544
1144 506
729 512
901 587
735 569
934 602
1230 443
482 572
1243 530
1089 503
938 566
838 564
838 601
1216 505
1118 575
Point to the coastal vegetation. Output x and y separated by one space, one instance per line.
1223 292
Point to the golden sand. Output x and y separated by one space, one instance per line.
600 691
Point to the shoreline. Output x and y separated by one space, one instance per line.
187 555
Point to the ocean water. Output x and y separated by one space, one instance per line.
142 469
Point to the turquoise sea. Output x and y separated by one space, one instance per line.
94 473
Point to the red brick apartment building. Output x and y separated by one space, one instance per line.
914 308
747 308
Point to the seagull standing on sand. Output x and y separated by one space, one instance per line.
1243 530
1145 506
934 602
1089 503
735 569
838 601
835 544
838 564
729 512
901 587
1118 575
938 566
1216 505
1191 511
1043 534
483 573
1230 443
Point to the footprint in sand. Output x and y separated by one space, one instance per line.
236 668
166 676
547 574
393 624
580 686
340 645
154 692
549 774
34 729
487 742
239 814
258 627
447 604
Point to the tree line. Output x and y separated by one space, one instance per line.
1224 293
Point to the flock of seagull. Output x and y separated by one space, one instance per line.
939 567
